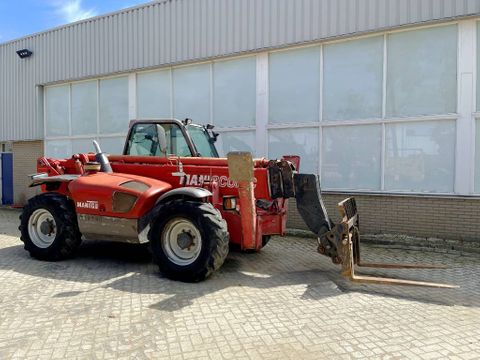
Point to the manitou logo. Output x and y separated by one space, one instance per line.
198 180
89 204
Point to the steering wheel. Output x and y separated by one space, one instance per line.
102 158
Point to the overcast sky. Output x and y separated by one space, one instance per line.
22 17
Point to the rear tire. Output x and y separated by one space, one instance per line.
49 228
265 240
189 240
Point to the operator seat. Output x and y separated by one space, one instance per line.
141 144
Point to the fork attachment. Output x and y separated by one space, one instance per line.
341 242
347 237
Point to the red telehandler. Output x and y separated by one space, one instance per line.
171 189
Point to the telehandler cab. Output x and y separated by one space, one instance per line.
171 189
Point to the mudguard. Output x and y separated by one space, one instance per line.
192 192
145 221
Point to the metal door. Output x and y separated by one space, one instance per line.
7 178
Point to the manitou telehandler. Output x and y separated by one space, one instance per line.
171 189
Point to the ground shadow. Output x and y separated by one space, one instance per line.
125 267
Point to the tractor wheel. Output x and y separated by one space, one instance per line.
189 240
49 228
265 240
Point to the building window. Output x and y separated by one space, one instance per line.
422 72
191 89
354 163
294 89
154 95
114 105
234 89
6 147
236 141
353 78
302 142
58 148
77 113
57 110
112 145
420 156
84 108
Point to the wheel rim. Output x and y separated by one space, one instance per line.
42 228
181 241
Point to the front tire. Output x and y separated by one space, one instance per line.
49 228
189 240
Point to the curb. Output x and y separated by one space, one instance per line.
10 208
407 242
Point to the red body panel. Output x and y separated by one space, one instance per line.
163 174
97 189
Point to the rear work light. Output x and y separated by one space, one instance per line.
229 202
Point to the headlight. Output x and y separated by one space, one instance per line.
229 202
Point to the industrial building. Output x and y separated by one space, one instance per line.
379 97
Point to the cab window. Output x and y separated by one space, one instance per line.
146 140
202 141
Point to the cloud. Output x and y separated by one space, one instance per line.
72 10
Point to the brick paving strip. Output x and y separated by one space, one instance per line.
286 302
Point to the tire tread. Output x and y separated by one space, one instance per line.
68 237
215 228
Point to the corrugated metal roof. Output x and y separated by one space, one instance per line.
176 31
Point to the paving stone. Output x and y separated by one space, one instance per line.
286 302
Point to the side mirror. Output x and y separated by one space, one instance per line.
162 139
